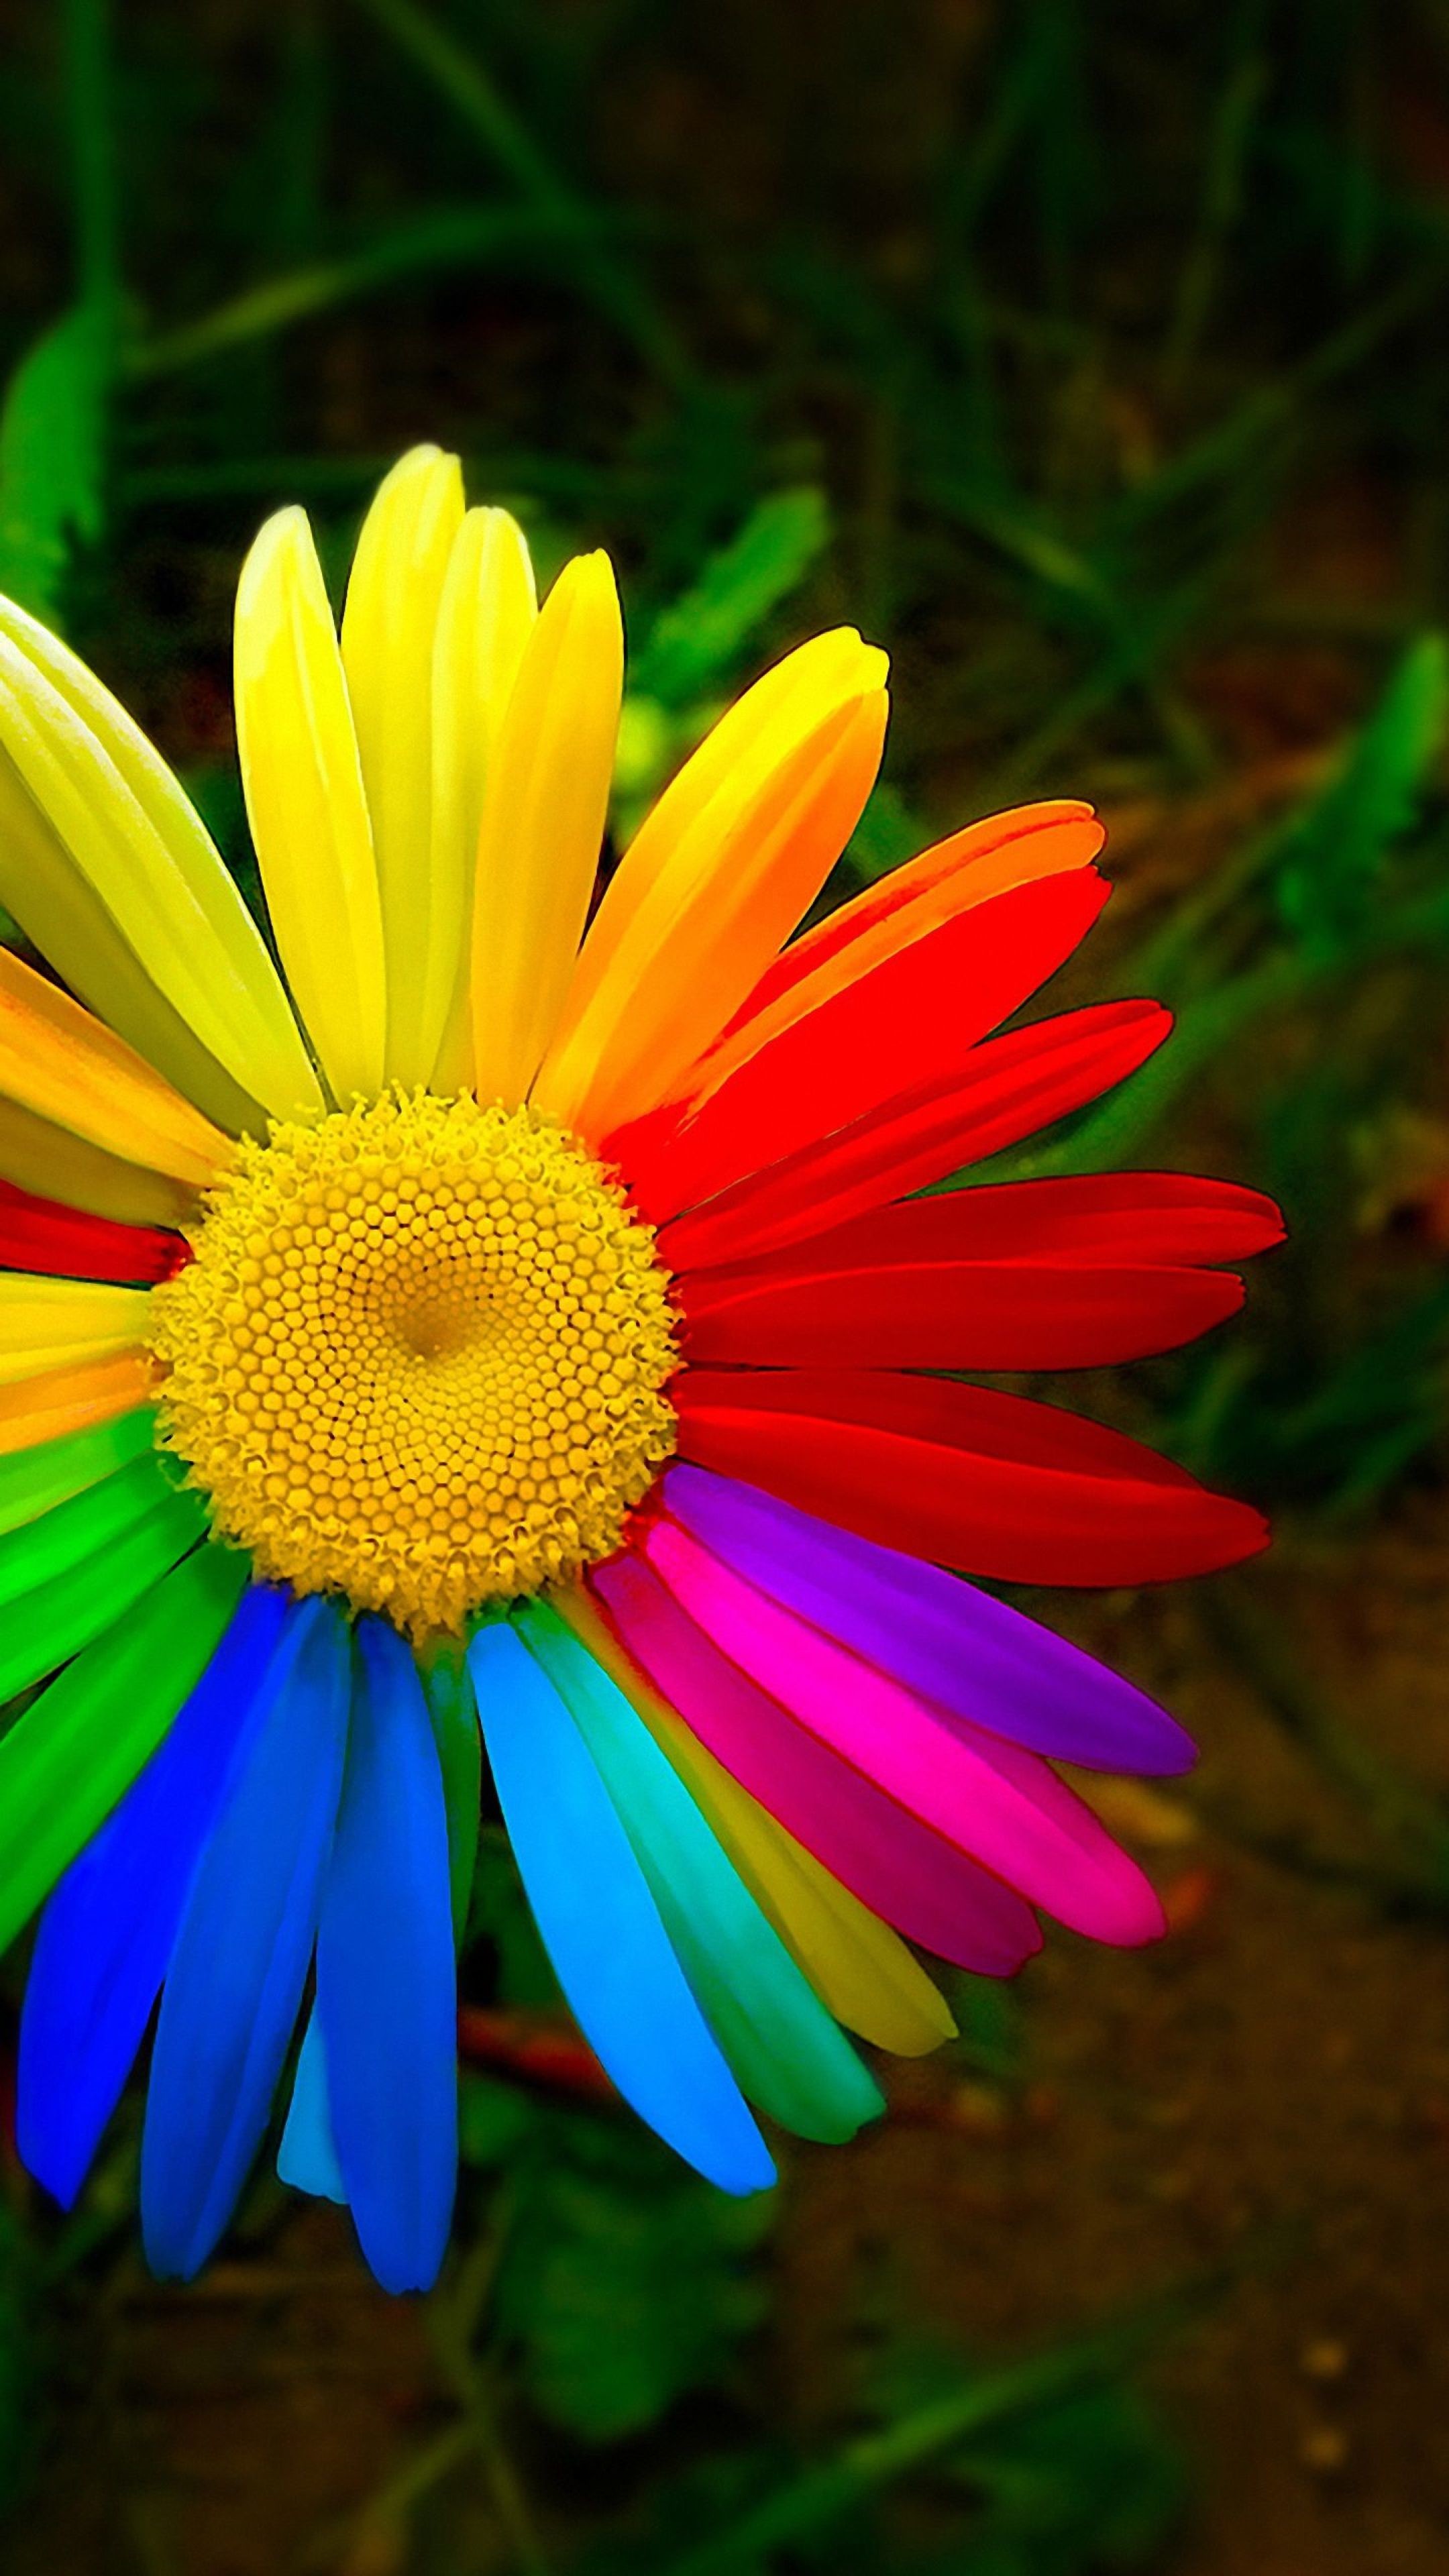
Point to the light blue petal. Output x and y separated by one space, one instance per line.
307 2157
787 2052
600 1925
387 1997
232 1993
106 1935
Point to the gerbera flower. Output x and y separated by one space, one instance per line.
482 1316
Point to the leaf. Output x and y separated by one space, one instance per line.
1331 863
700 634
628 2281
52 457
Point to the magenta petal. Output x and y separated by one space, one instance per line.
959 1647
903 1870
1005 1807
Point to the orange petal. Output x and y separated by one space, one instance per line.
60 1062
720 874
70 1399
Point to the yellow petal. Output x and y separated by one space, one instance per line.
862 1970
388 625
543 822
61 1323
59 1062
53 1164
38 1409
140 849
303 781
486 616
717 877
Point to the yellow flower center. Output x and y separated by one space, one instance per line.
419 1357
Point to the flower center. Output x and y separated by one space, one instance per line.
419 1357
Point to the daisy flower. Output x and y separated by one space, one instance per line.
447 1308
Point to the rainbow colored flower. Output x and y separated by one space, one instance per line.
501 1314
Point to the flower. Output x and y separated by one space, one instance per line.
505 1319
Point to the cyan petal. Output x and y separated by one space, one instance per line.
600 1924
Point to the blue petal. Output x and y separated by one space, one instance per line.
307 2156
600 1924
387 1996
235 1983
106 1935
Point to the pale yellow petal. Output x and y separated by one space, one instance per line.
718 875
53 1164
62 1323
862 1971
58 1061
388 626
543 822
131 834
303 781
487 614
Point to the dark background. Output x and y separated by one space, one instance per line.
1094 358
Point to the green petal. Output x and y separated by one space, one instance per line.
33 1481
460 1758
81 1530
77 1749
45 1627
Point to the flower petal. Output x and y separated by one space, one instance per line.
49 1163
33 1481
905 1027
42 1628
40 1409
303 780
716 880
1009 1087
992 1484
782 2045
1005 1807
76 1749
901 1300
63 1064
87 1525
485 618
600 1925
986 859
699 814
388 626
958 1647
126 878
239 1966
106 1934
899 1866
40 1234
387 2002
861 1970
307 2155
57 1323
544 808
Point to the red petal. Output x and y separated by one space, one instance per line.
951 1315
902 1027
963 1476
1008 1088
1120 1220
38 1234
965 869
